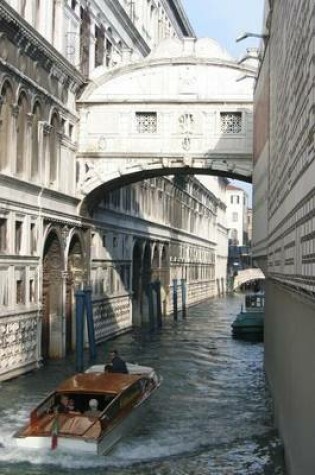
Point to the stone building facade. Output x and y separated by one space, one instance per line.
161 228
283 220
237 206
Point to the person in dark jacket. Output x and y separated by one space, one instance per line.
117 363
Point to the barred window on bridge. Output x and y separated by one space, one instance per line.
146 122
231 122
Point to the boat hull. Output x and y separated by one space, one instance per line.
248 325
101 447
111 427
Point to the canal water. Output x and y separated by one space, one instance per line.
211 416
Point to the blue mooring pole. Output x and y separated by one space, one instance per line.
184 297
175 298
90 323
79 313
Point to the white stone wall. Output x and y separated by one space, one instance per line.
284 223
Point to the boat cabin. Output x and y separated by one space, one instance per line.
116 395
255 301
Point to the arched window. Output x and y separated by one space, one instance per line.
35 140
21 134
5 124
53 148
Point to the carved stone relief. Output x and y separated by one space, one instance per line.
18 341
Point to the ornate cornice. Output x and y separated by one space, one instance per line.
25 37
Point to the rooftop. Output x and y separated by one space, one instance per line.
112 383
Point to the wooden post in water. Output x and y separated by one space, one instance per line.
184 297
175 298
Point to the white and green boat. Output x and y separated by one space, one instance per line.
249 323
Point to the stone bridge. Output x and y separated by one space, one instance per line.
183 109
247 275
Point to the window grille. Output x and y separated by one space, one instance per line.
146 122
231 122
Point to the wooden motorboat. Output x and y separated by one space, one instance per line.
249 323
120 398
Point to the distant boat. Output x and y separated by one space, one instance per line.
249 323
120 398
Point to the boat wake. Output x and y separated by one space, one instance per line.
134 449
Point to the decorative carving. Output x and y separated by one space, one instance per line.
186 123
46 128
3 46
15 110
186 143
29 118
187 81
22 61
65 235
18 341
102 144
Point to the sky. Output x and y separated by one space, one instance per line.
224 21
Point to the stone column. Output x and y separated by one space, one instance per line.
45 156
92 45
11 149
28 145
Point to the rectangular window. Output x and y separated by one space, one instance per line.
238 200
32 291
71 131
146 122
109 53
3 234
33 239
231 199
99 46
231 122
20 292
18 237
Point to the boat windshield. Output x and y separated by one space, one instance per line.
255 301
81 402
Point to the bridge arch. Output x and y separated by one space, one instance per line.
181 110
247 275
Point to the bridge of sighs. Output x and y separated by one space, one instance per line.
186 108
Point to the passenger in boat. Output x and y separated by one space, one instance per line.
64 405
118 364
71 405
93 410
